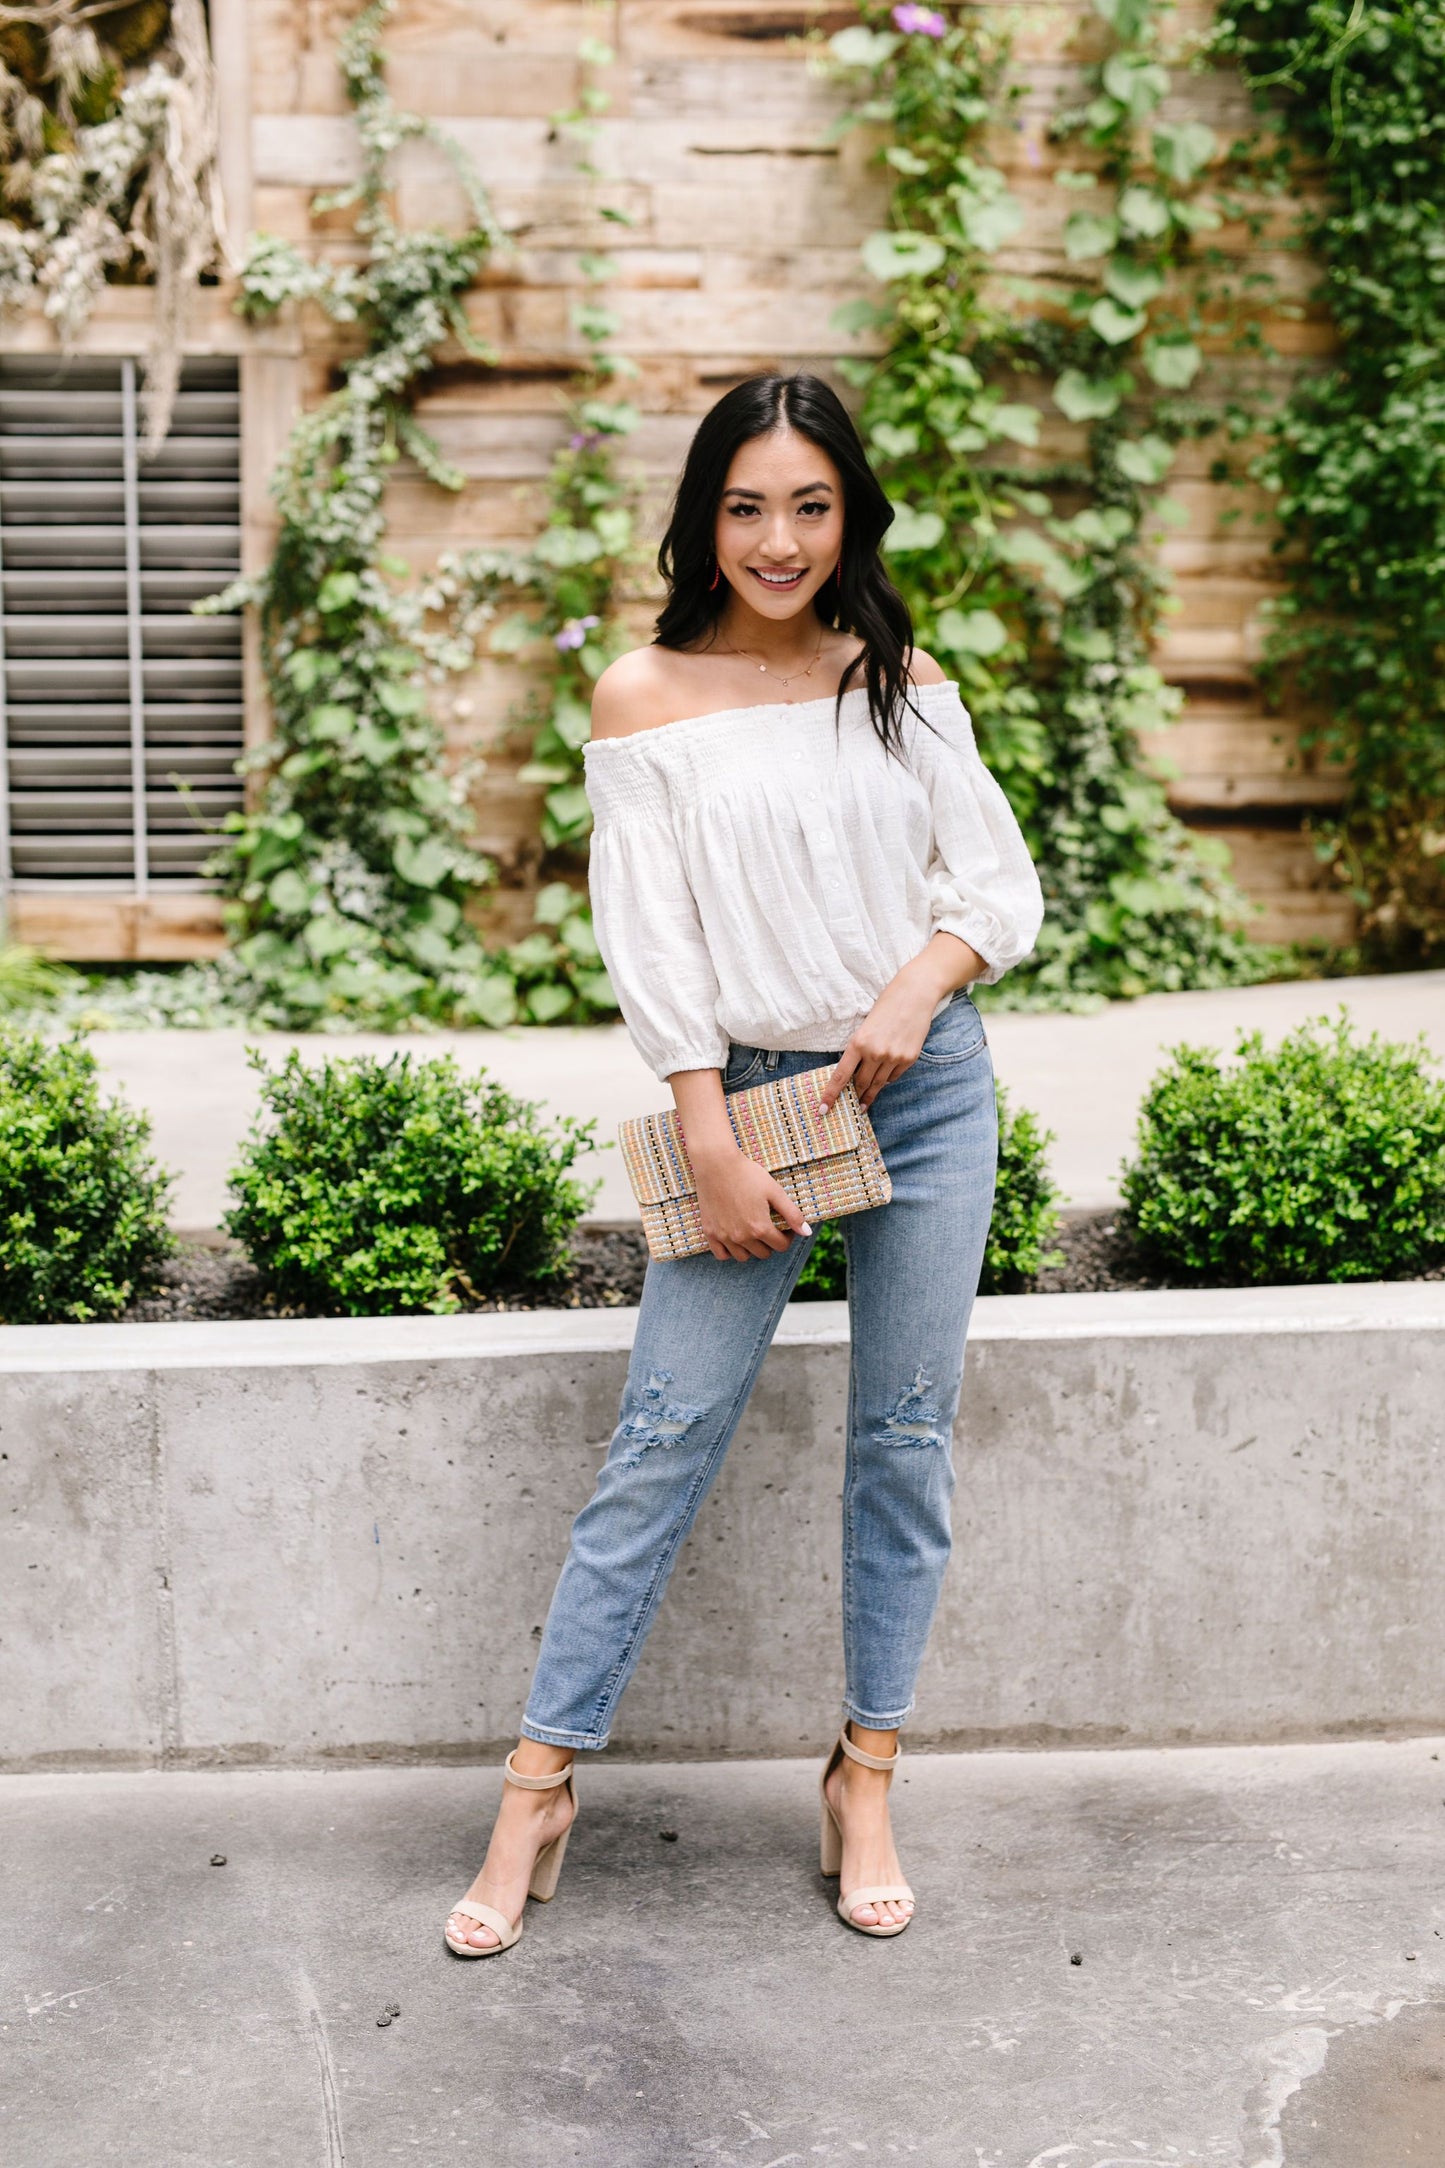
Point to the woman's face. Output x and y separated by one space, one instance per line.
780 523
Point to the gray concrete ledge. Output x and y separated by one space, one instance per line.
1180 1517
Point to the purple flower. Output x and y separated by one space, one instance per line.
574 633
909 18
582 440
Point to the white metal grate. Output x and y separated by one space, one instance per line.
120 713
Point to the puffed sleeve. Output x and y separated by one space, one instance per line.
981 877
645 916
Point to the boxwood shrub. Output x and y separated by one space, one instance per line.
371 1187
82 1203
1025 1218
1320 1159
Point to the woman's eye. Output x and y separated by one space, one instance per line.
818 507
741 511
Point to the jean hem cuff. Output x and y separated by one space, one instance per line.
871 1720
583 1742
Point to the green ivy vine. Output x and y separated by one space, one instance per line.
1032 575
349 876
1353 95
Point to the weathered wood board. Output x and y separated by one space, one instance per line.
747 213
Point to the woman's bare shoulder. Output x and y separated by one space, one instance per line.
637 692
924 670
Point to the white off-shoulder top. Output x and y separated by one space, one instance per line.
757 877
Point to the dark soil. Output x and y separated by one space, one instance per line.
205 1281
217 1281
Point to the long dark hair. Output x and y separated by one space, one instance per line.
860 598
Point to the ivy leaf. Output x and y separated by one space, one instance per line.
572 722
596 987
912 530
1088 233
613 526
288 894
421 865
989 224
905 161
1134 284
1126 18
337 592
1173 363
1088 645
329 935
1145 212
1182 151
894 440
554 902
563 547
1020 424
1113 324
1171 513
547 1003
1146 461
513 634
858 47
1090 398
902 255
1138 84
331 722
972 632
579 938
568 806
492 999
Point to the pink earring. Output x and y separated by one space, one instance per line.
716 576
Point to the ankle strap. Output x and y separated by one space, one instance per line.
535 1784
869 1761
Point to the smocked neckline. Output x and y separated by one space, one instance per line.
752 707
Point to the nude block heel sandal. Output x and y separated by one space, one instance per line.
831 1845
545 1870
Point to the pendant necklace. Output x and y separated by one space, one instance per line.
792 675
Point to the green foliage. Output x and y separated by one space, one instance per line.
1025 1219
1032 578
29 980
350 873
373 1187
1025 1206
82 1204
1321 1159
1356 95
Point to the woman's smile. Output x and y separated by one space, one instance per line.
780 582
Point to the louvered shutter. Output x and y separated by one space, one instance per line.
120 713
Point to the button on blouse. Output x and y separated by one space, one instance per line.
758 875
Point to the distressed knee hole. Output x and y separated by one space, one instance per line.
913 1419
657 1421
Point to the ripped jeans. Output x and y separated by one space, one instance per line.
703 1329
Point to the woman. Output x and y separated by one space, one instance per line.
798 859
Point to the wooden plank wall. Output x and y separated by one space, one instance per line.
746 228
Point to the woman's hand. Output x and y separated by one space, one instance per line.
736 1200
890 1037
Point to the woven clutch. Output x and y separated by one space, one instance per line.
827 1159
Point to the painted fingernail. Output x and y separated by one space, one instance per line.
806 1229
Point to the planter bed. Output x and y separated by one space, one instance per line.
214 1280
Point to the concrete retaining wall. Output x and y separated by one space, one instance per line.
1179 1517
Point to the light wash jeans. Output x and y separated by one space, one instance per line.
704 1327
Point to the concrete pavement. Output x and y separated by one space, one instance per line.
1260 1974
1083 1075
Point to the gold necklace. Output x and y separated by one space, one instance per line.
793 675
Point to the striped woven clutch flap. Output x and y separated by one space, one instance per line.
826 1158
